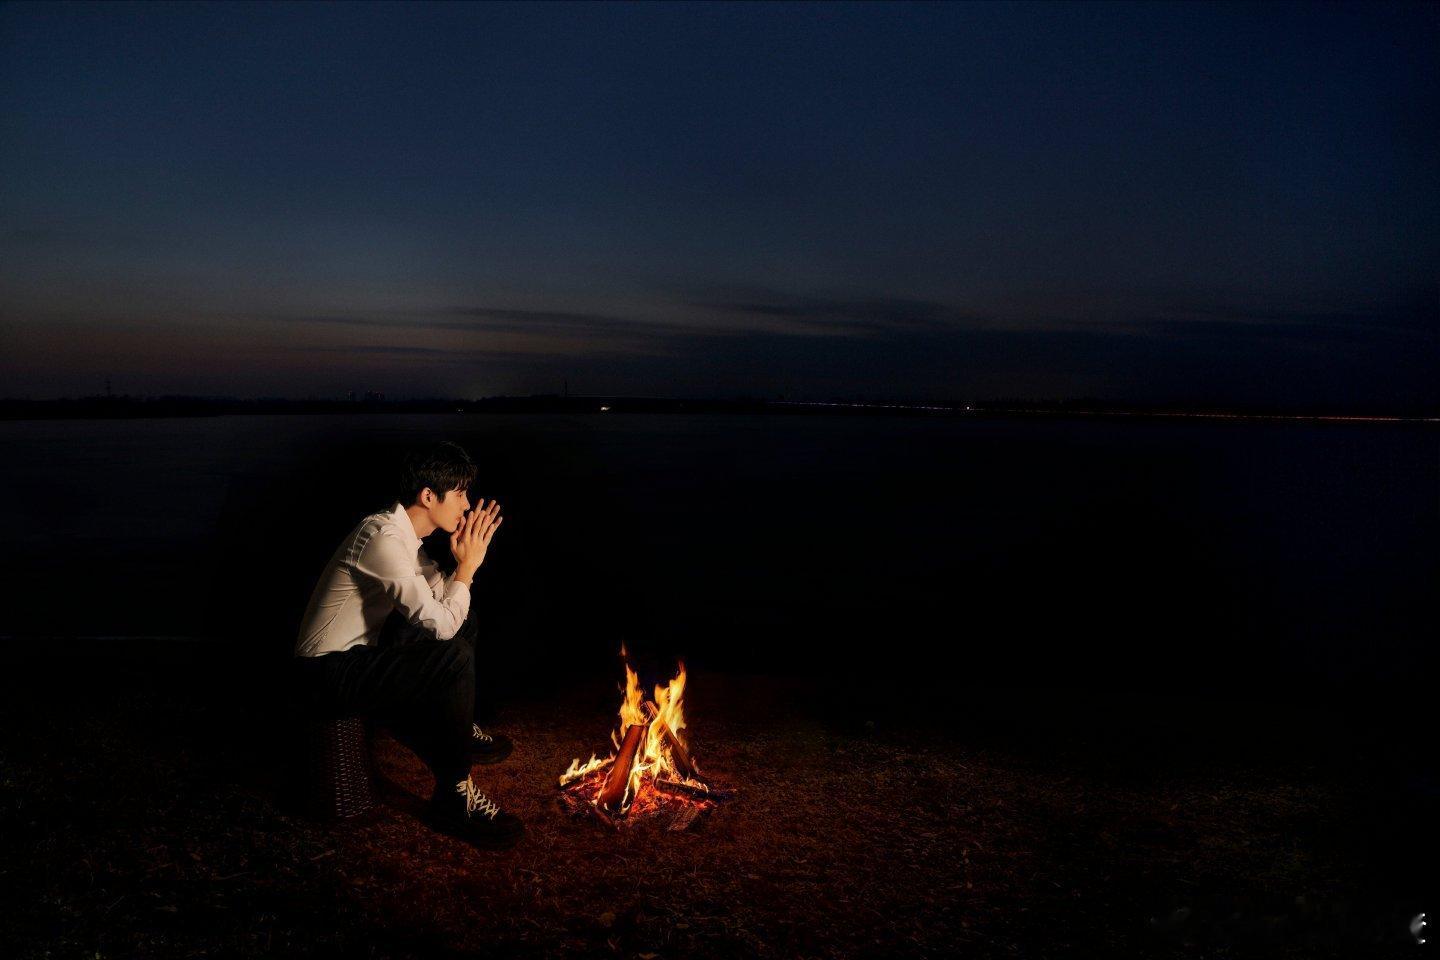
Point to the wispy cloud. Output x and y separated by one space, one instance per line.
720 317
513 318
708 317
494 320
341 320
442 356
387 350
841 317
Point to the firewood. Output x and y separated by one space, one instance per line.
612 796
684 818
684 765
696 788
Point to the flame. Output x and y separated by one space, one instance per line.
578 770
631 713
669 714
655 759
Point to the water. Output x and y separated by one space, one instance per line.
1180 555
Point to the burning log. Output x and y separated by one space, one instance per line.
614 795
689 788
651 775
679 756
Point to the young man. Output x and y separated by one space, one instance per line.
387 636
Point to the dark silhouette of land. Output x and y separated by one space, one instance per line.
130 407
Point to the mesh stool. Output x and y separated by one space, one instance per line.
338 782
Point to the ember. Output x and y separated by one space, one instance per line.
651 771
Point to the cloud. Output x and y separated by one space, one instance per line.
396 350
799 316
876 316
728 342
494 320
515 320
338 320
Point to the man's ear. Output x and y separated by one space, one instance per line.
427 496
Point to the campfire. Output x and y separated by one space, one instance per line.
650 773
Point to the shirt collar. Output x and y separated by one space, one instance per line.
407 529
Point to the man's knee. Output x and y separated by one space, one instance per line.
468 632
438 664
459 660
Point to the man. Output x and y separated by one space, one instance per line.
380 585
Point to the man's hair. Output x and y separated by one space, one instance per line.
442 467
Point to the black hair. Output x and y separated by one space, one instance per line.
442 467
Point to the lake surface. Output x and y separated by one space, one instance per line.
1193 555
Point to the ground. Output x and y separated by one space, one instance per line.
144 814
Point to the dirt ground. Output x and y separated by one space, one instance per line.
145 814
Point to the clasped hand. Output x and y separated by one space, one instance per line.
472 537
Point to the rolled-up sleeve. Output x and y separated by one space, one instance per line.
387 561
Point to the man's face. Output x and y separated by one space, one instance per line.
447 513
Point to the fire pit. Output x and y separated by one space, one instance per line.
650 775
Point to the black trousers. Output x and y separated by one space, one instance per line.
419 688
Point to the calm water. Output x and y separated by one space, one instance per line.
1180 555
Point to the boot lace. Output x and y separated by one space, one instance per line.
476 802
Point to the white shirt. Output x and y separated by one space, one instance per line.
380 567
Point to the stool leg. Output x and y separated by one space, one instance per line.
339 778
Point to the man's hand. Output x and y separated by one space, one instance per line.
471 539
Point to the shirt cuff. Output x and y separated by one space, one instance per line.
458 594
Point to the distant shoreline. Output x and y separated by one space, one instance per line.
130 408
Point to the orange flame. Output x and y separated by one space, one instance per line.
654 758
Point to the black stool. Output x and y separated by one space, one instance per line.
338 780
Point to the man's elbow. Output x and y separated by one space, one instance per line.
447 627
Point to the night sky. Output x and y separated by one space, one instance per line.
1196 203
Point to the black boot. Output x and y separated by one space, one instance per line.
488 747
464 812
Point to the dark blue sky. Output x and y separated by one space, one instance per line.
1199 202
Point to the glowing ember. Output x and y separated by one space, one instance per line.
650 768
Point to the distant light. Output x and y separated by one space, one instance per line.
604 409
